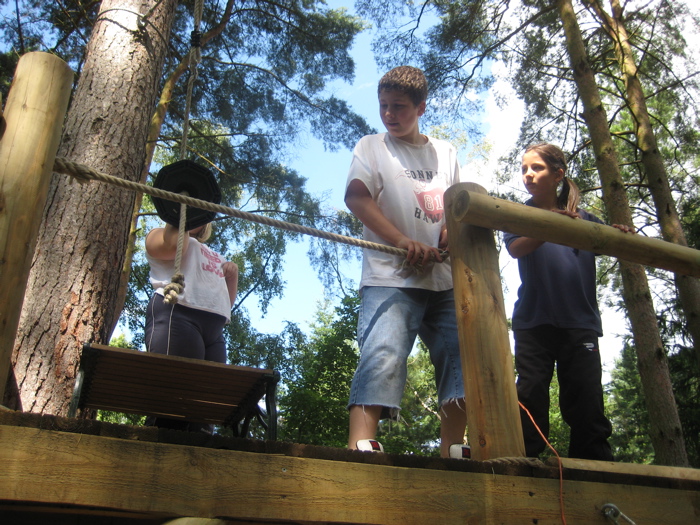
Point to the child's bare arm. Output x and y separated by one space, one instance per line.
523 246
161 243
230 270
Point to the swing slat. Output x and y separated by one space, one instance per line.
130 381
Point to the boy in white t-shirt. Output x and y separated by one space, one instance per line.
395 187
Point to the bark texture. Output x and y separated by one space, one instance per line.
654 166
72 288
666 432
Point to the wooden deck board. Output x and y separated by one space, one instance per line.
79 471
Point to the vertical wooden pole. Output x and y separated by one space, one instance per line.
493 416
34 113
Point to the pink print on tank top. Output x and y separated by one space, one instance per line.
214 264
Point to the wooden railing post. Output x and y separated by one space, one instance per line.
33 118
483 210
493 416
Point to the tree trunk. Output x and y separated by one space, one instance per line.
72 287
654 167
666 432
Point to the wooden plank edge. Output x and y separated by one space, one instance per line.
635 469
51 467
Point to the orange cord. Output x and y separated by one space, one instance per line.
561 469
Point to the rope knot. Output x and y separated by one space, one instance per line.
174 289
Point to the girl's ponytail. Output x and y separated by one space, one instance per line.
569 195
204 233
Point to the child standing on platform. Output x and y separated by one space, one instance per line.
395 187
556 318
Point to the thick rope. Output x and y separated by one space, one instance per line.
84 174
516 460
194 58
176 286
172 290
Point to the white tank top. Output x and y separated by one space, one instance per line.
205 286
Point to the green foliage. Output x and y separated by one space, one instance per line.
418 428
313 410
120 418
627 412
686 387
61 28
8 64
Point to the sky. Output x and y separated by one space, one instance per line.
326 175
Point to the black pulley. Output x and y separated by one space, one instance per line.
197 181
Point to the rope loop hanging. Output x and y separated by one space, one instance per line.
176 287
194 58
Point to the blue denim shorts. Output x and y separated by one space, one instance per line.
389 320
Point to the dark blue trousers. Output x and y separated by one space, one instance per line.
575 353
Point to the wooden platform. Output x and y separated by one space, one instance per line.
126 380
67 471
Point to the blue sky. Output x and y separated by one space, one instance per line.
326 173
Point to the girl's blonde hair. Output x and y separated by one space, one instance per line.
204 233
554 158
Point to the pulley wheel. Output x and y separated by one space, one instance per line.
197 181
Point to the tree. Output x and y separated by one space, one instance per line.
314 408
666 432
654 168
70 292
271 62
628 412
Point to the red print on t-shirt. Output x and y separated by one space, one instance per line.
214 261
431 202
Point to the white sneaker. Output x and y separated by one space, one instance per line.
369 445
460 451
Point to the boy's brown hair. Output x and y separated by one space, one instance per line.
408 80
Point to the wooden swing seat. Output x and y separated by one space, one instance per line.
193 390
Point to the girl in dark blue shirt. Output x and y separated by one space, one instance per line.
556 318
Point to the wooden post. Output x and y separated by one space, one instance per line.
493 416
498 214
34 113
